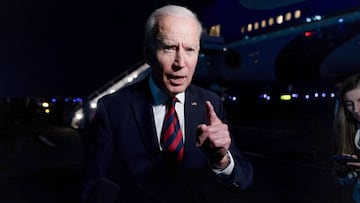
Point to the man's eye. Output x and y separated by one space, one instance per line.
190 50
169 48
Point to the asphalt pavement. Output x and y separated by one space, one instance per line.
41 161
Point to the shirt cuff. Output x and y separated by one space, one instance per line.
228 170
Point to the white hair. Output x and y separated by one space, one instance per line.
151 25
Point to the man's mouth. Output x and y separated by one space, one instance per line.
176 79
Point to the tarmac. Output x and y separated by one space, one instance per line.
41 161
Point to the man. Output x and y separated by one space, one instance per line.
127 150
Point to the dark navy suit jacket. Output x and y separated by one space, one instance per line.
122 147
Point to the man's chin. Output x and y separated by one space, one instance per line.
176 89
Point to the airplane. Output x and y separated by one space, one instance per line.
296 41
267 45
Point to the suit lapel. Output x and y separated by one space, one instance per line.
142 108
194 115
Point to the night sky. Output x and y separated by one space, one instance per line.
70 47
67 47
74 47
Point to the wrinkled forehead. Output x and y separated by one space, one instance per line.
178 30
179 24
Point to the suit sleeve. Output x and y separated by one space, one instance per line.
242 174
98 150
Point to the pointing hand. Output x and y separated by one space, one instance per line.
214 138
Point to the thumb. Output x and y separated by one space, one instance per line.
213 119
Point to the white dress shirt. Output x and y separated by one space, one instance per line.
159 108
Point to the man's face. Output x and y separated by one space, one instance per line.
176 53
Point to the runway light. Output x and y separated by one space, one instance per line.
45 104
294 95
317 17
263 95
232 98
285 97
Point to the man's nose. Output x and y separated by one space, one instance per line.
179 58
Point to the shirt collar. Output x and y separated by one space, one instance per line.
160 97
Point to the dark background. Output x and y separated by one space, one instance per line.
67 47
74 47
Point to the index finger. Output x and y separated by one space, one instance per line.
213 119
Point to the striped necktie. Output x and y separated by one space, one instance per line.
172 138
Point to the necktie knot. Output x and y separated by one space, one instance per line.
171 102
